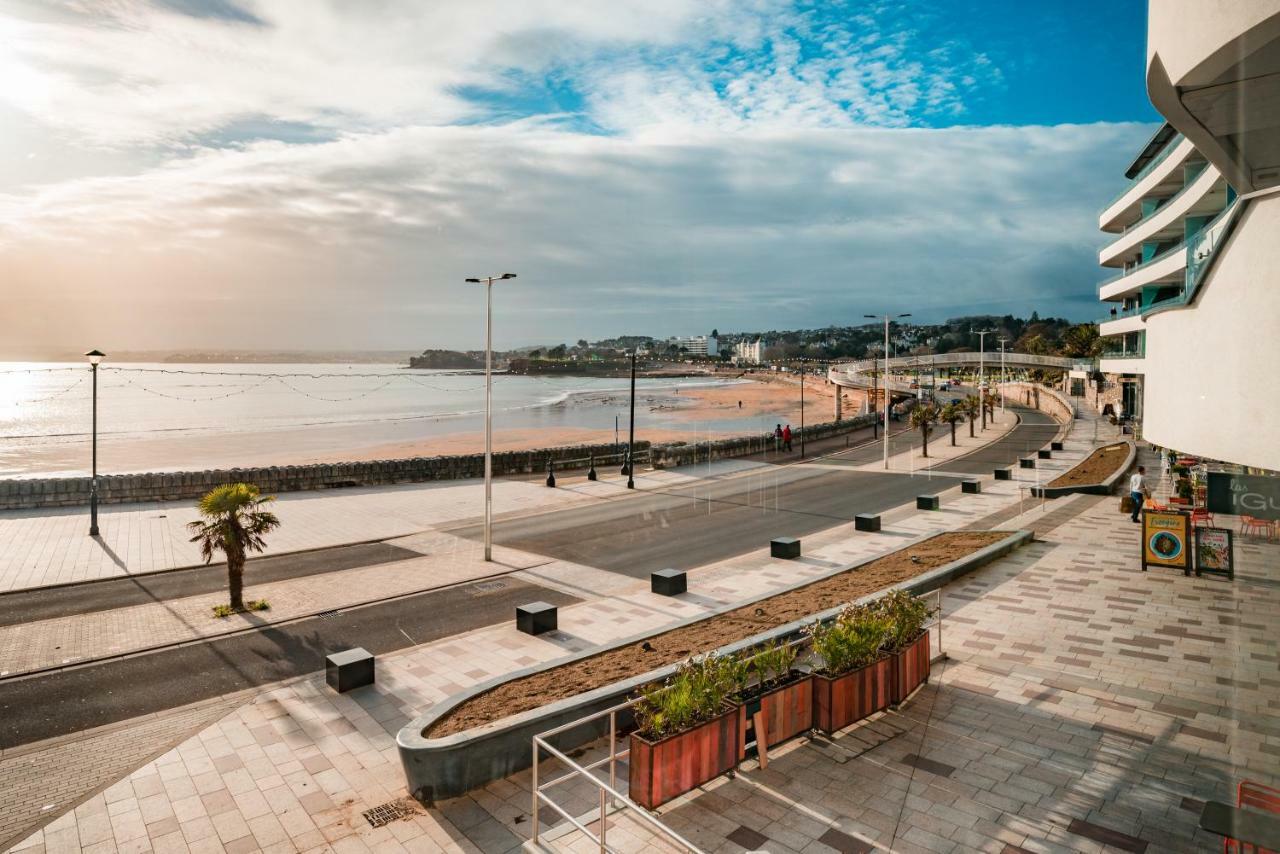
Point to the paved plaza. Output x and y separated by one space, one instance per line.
1083 704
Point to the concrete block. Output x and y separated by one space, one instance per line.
866 522
668 582
351 668
1044 454
971 487
1027 463
784 547
928 502
535 618
1055 446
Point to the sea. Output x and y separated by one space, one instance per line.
166 417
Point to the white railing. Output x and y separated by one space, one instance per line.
611 800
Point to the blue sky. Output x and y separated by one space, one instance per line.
659 167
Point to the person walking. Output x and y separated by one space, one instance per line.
777 438
786 438
1138 492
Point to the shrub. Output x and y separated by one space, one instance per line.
224 611
694 694
906 615
851 640
772 663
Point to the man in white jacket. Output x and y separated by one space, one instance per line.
1138 491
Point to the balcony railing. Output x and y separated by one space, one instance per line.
1132 311
1190 182
1181 247
1146 170
1200 252
1119 348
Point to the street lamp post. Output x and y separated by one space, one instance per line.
631 435
802 410
887 396
488 406
1003 379
982 368
95 357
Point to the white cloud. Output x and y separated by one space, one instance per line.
368 237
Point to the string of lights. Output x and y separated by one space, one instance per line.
41 370
239 390
313 396
56 394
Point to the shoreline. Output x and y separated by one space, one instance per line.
719 409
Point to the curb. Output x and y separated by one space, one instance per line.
1103 488
446 767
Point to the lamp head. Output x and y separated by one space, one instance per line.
95 356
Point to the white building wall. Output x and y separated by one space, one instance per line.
1213 370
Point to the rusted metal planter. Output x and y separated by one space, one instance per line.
666 769
787 711
846 699
910 668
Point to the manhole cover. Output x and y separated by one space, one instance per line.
488 586
387 813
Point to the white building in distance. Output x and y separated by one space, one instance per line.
697 345
749 352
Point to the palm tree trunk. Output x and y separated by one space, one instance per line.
924 439
953 434
970 428
235 581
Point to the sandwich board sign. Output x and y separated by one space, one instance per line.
1213 552
1166 540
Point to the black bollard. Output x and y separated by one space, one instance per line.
551 474
591 472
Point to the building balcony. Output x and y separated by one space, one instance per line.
1125 320
1204 195
1161 177
1123 354
1166 268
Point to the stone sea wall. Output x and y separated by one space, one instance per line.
176 486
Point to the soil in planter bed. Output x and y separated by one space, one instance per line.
615 665
1095 468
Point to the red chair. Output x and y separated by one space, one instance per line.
1253 796
1200 516
1252 527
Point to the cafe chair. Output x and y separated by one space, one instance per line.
1200 516
1253 527
1251 795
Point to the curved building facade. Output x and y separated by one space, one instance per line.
1192 334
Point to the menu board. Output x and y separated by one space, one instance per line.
1213 552
1166 540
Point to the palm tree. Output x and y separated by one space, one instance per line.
951 413
989 401
971 410
234 523
923 418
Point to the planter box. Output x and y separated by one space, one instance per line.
910 668
846 699
787 710
666 769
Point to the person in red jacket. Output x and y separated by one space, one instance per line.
786 438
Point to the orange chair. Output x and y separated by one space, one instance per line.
1200 516
1254 796
1252 527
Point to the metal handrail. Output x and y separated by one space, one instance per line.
610 790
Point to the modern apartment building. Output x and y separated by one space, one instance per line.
697 345
1192 334
749 352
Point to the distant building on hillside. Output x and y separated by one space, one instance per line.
749 352
697 345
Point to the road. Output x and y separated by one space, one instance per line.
716 519
77 698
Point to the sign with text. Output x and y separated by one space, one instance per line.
1166 540
1213 552
1255 495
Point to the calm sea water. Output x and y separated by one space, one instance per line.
202 415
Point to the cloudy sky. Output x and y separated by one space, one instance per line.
325 173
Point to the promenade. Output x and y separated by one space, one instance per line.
1082 698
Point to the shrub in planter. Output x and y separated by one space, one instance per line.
854 679
782 694
907 642
688 730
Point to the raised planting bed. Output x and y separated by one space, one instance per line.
839 701
484 734
1096 474
910 668
667 768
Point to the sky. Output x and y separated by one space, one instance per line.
302 174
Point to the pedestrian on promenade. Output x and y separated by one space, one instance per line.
1138 492
777 438
786 437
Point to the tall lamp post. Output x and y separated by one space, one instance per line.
95 357
802 410
887 396
631 434
982 368
488 406
1003 379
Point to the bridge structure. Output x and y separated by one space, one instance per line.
866 373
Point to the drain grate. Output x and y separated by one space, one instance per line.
487 587
387 813
327 614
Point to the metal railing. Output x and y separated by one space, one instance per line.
608 793
1122 350
1172 250
947 360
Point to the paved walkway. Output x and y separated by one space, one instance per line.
1085 704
